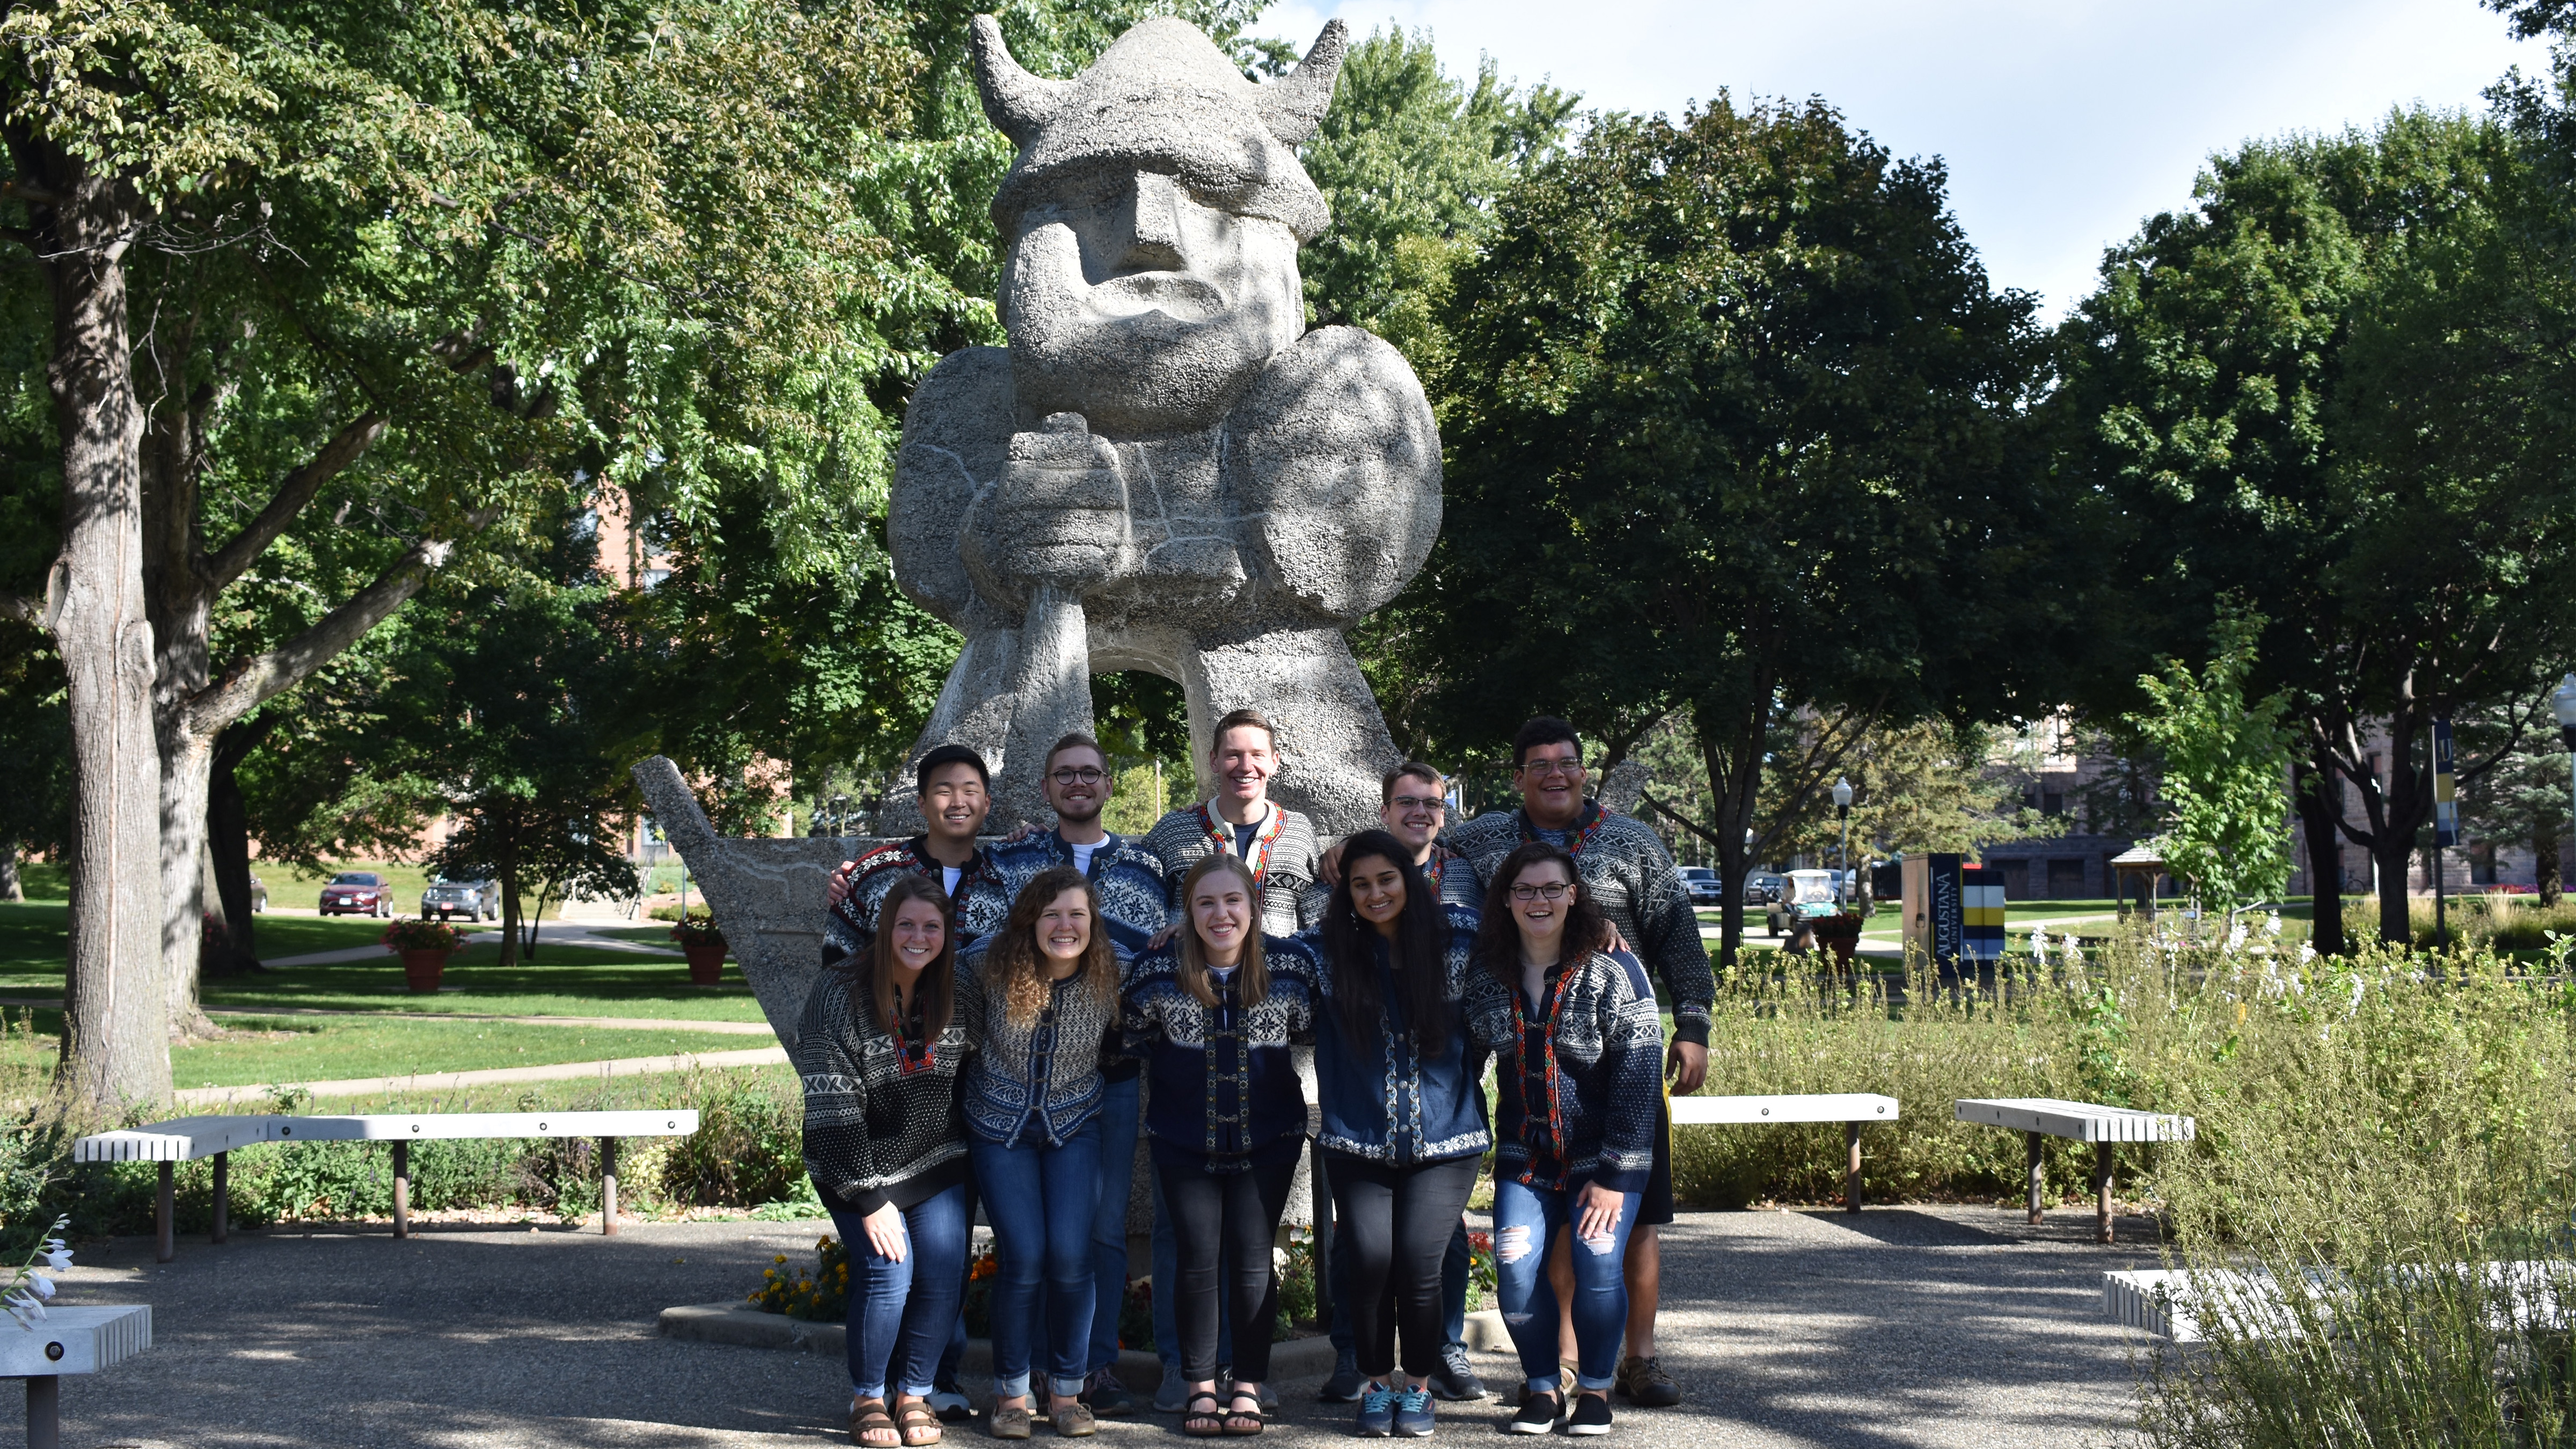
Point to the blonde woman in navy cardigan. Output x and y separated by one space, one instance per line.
1212 1013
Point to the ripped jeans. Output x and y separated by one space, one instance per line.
1526 1220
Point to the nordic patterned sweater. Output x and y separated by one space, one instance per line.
1632 878
1128 878
1222 1092
1285 859
1448 874
1034 1083
882 1123
1380 1099
1580 1074
982 897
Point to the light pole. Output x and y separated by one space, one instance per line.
1842 807
2564 702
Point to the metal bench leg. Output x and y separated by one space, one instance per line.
165 1246
2102 1191
44 1412
1851 1188
2037 1173
608 1184
223 1175
402 1187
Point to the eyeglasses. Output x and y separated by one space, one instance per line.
1432 803
1553 767
1552 891
1083 776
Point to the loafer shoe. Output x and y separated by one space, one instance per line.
1591 1415
1537 1415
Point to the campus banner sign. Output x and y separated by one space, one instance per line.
1981 913
2446 788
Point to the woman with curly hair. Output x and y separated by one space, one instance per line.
1579 1046
879 1048
1212 1012
1403 1117
1045 990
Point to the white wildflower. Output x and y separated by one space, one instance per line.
2307 953
2272 924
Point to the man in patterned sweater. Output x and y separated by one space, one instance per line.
1129 881
1632 878
956 795
1277 842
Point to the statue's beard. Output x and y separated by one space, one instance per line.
1151 352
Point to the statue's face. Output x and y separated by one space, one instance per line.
1142 307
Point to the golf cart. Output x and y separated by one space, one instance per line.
1808 896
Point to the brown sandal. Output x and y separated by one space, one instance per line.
1213 1417
868 1416
1236 1415
920 1426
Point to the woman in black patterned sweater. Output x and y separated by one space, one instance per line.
879 1049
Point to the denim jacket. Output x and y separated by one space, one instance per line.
1380 1099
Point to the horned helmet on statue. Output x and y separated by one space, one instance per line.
1165 469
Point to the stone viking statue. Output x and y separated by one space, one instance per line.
1165 469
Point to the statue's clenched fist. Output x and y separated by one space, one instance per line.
1058 513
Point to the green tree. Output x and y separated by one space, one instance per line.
2226 763
2524 801
2329 390
1736 433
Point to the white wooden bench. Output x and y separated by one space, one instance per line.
2105 1127
1852 1109
186 1139
2252 1303
68 1340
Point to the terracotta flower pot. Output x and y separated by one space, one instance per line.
421 969
1842 948
706 964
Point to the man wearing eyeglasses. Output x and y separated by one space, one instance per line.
1632 878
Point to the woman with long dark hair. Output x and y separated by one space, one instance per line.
1212 1012
1579 1047
880 1047
1045 989
1403 1117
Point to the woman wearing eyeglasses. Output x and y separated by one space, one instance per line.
1403 1117
1579 1050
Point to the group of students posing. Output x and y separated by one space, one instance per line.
986 1016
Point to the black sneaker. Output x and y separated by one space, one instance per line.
1591 1415
1344 1386
1537 1415
1107 1397
1455 1380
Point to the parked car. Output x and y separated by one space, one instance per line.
1810 895
1702 883
357 893
1763 887
475 900
258 894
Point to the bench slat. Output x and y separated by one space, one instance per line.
1796 1107
428 1126
2082 1121
92 1336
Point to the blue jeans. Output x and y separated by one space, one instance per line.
901 1312
1167 1281
1109 1224
1042 1201
1526 1220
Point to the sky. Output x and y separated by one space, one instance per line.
2065 123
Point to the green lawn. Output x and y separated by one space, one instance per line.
562 981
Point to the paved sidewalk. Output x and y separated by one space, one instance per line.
1903 1327
555 933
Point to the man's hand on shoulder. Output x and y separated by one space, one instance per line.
836 887
1328 866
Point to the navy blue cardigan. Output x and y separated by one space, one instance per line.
1607 1085
1222 1094
1380 1100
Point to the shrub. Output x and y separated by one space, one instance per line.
698 929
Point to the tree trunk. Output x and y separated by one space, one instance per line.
2544 864
228 840
1731 750
186 759
10 889
2320 803
116 1047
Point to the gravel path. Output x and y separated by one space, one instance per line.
1920 1326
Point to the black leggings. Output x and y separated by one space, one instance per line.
1398 1222
1238 1211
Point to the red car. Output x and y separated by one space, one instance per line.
358 893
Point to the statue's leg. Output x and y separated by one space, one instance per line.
1014 691
1332 740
